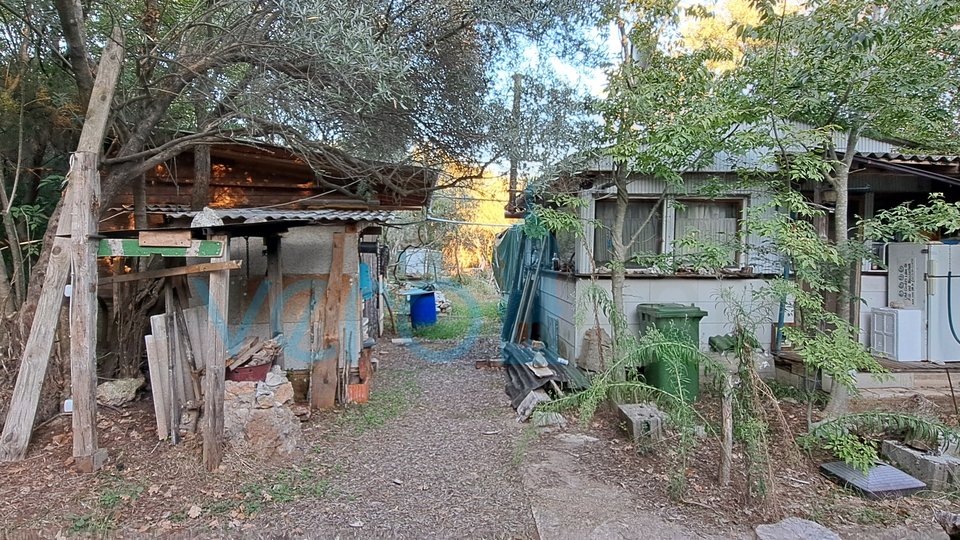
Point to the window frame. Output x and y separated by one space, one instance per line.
667 231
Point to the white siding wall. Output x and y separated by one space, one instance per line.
702 292
558 312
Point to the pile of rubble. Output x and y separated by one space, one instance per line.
259 417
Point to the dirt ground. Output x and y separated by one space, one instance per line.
436 454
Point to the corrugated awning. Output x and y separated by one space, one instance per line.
261 215
913 158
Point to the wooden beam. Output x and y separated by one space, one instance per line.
202 268
36 355
323 374
84 175
132 248
215 362
165 238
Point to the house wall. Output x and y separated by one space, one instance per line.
558 312
305 255
703 292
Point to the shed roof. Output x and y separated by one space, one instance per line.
260 215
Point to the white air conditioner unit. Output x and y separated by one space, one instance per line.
897 334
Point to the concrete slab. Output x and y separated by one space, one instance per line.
568 503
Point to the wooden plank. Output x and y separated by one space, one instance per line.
165 238
250 347
203 268
214 365
171 397
85 176
131 248
158 376
36 354
323 375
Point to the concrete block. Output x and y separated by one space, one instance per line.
939 472
644 422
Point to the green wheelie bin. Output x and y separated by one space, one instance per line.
676 321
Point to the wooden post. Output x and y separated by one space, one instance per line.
85 210
275 277
215 360
726 417
323 373
36 353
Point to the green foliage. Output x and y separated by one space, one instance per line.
915 223
852 450
854 437
95 524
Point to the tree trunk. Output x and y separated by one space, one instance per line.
618 257
201 177
839 403
13 242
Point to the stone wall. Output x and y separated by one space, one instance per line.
258 419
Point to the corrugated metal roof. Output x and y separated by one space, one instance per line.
725 162
914 158
259 215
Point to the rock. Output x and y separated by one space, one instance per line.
256 421
597 350
272 432
529 403
794 528
266 400
118 392
244 392
206 218
275 377
301 411
284 393
548 419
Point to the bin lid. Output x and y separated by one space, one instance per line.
671 311
416 292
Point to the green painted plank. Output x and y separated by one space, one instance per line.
132 248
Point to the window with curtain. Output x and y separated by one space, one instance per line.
638 212
715 222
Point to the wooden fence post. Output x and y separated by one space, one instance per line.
323 373
83 311
215 359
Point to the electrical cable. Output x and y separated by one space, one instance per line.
949 307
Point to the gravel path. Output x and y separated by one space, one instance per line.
436 455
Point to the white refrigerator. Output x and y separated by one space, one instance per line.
927 277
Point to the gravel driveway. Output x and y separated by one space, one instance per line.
436 454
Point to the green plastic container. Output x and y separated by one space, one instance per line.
673 320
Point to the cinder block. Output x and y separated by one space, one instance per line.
939 472
645 423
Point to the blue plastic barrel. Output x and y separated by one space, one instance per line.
423 308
